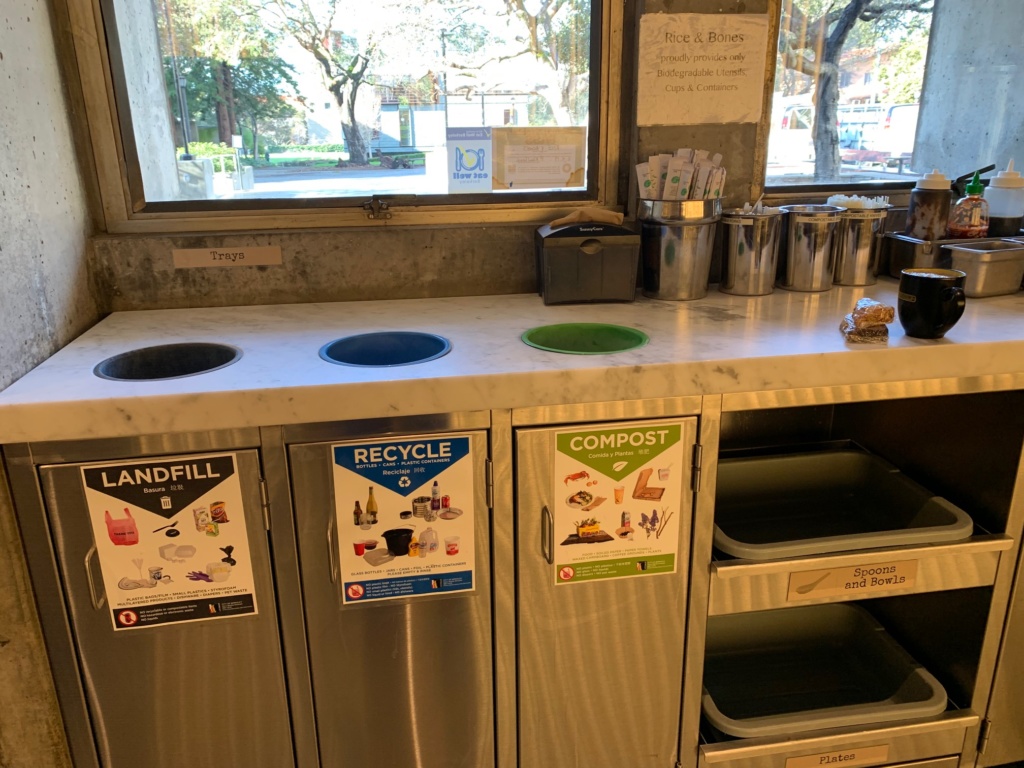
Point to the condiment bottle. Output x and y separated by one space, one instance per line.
969 217
928 215
414 547
1005 195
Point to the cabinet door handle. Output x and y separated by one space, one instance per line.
97 603
547 535
332 562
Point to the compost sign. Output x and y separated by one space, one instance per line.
171 540
618 501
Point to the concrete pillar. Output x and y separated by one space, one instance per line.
971 113
151 118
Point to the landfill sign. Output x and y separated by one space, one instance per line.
618 501
171 539
405 517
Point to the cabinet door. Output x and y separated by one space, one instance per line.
600 661
207 692
402 682
1006 736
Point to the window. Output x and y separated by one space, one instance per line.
243 104
879 116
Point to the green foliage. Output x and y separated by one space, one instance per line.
208 149
315 148
903 72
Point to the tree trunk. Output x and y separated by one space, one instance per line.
826 95
355 136
827 163
222 78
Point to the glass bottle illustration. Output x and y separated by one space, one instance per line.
371 508
357 514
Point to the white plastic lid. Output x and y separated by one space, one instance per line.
933 180
1008 178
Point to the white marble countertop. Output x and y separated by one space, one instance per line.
717 345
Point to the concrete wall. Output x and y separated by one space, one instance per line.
325 265
151 119
971 113
44 303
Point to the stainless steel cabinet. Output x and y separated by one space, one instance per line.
948 616
401 682
1005 738
199 693
601 662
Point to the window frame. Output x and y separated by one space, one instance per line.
124 211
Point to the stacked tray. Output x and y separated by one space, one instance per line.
815 502
787 671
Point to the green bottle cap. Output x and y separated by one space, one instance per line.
975 187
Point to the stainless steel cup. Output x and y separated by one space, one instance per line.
752 252
810 255
677 238
858 244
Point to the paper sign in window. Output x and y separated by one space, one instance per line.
697 69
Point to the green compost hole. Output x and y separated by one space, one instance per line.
585 338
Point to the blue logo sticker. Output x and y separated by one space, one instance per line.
402 466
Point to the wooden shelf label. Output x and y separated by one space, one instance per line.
858 756
852 581
242 256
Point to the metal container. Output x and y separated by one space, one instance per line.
993 268
906 252
752 251
858 245
810 255
677 238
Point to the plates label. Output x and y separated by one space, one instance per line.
848 758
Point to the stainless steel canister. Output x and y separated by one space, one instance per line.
752 251
677 238
858 244
810 255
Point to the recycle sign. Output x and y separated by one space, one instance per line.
404 465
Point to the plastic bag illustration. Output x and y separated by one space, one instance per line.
122 531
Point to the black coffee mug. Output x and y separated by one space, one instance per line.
930 301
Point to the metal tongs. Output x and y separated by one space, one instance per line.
960 184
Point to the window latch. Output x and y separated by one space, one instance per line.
376 208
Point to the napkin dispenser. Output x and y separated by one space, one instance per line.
586 262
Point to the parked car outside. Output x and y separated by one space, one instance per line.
858 123
791 137
899 131
881 134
